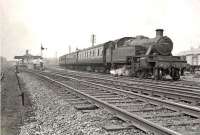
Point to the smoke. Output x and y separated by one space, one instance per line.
120 71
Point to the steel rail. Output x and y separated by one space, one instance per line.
2 75
150 85
179 94
188 91
194 111
148 82
172 86
186 96
137 121
134 79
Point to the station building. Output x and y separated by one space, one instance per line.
192 57
29 61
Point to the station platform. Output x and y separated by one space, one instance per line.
12 108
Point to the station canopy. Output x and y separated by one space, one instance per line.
27 56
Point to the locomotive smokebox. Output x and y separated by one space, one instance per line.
159 32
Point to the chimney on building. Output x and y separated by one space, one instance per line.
159 32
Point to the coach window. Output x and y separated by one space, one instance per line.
95 52
81 55
92 52
98 52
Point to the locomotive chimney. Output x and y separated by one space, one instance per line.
159 32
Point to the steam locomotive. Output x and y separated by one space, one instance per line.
140 56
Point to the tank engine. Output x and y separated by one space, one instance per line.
141 56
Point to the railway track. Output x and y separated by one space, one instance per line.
179 94
182 83
2 75
145 112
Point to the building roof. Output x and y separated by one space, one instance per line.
192 51
27 57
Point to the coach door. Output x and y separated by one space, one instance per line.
109 55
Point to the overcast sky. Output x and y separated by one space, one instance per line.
60 23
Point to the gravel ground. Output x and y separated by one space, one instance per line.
52 115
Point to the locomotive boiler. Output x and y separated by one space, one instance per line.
140 56
161 45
